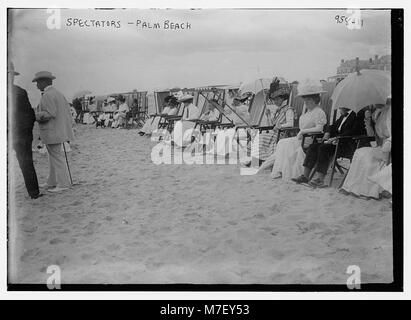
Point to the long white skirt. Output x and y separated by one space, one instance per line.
383 178
182 133
366 163
287 160
151 125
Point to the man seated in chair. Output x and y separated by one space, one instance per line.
319 155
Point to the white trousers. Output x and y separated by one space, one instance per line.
58 173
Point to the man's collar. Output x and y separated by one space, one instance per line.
47 88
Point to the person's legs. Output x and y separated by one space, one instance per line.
51 180
58 160
311 158
309 162
325 154
24 156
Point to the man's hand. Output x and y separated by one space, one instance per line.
325 137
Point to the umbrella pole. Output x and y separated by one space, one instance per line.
265 103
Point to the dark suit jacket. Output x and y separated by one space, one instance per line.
348 128
353 126
22 114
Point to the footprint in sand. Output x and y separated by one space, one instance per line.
29 253
55 241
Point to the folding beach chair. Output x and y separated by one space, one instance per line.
359 140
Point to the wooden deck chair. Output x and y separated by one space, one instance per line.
204 125
167 121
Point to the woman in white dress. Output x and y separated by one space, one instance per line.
289 155
183 129
121 114
367 162
151 124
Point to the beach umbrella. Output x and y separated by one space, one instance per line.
361 89
255 86
81 94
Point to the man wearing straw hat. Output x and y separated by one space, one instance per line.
22 122
55 128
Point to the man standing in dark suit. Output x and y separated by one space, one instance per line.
320 154
22 122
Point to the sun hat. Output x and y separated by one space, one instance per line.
310 87
43 75
186 97
11 69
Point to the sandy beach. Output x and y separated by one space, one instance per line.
128 220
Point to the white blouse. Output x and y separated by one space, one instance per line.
314 118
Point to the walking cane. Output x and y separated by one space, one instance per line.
65 154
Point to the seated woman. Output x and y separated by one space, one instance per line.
384 179
288 157
280 115
241 110
239 116
212 113
151 124
368 161
121 114
183 129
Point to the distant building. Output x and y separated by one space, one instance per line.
380 63
349 66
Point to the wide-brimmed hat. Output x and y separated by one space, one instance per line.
11 69
310 87
186 97
243 96
43 75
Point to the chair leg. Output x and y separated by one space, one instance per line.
334 159
312 173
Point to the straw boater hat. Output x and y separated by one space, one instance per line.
186 97
43 75
310 87
11 69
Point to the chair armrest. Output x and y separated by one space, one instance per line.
313 134
364 138
226 125
290 129
207 122
266 128
172 118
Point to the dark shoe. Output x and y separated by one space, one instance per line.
317 183
300 179
37 196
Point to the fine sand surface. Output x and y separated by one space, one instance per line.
131 221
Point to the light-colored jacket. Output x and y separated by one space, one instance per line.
54 117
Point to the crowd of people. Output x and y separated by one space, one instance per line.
306 157
303 158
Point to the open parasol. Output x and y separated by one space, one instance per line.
361 89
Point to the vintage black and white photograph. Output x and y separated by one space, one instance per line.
202 147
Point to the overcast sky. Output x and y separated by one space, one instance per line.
221 47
